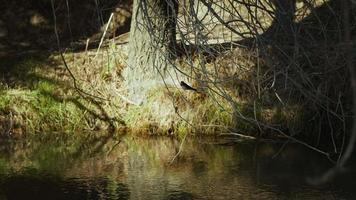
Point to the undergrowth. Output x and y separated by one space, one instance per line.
45 100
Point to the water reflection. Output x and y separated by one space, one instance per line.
102 167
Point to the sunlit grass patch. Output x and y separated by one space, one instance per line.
35 111
176 112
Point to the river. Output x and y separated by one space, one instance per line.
107 167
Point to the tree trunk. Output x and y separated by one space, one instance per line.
152 39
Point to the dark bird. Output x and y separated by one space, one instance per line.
186 86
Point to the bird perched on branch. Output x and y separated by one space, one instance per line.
186 86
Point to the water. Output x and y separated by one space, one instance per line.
100 167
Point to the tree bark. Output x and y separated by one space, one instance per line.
151 47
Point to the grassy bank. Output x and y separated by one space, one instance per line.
39 95
33 100
284 76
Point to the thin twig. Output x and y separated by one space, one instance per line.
180 149
239 135
103 36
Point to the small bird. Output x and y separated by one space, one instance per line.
186 86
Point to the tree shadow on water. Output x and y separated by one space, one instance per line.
40 186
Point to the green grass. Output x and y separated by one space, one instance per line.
40 111
37 94
34 100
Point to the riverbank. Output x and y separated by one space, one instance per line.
258 83
40 94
